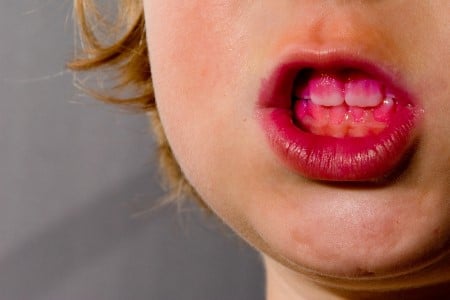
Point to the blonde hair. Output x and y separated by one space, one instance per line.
115 42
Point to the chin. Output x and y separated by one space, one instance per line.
357 238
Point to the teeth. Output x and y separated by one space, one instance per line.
337 114
320 114
377 127
301 109
330 89
343 120
343 105
338 132
359 114
363 92
358 131
326 90
384 111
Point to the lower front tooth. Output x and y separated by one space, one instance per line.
337 114
358 131
338 131
318 130
357 113
320 113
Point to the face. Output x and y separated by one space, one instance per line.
318 130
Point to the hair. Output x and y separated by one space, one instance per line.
115 43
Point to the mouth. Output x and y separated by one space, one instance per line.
338 118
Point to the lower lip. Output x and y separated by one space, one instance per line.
328 158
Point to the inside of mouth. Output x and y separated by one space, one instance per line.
341 103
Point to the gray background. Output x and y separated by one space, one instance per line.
74 175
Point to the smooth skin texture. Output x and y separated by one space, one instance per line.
319 241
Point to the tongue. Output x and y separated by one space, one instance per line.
339 105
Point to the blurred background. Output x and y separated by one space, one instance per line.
77 184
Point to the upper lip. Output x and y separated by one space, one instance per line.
282 77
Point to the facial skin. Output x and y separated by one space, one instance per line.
208 61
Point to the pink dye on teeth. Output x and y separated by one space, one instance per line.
353 105
363 92
326 89
342 120
332 89
337 114
383 112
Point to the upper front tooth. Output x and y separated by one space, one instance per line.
363 92
326 90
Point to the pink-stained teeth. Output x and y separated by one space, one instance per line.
337 114
301 109
343 120
320 113
383 112
326 89
342 104
363 92
339 131
358 131
333 89
357 113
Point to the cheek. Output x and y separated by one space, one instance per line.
429 47
190 43
195 68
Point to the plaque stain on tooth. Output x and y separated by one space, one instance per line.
337 114
326 89
357 113
341 105
383 112
363 92
339 121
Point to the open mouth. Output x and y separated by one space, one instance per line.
342 103
338 120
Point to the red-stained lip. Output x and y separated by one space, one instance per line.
368 158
